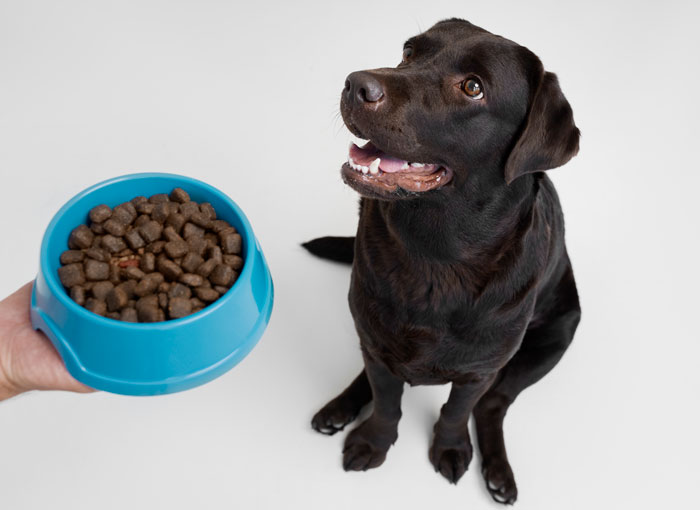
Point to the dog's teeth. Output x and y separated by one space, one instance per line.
405 166
374 166
417 165
365 169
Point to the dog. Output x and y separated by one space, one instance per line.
460 272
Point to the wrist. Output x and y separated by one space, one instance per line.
7 389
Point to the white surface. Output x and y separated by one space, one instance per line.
246 98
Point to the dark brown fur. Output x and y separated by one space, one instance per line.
468 284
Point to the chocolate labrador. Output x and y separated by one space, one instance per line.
459 269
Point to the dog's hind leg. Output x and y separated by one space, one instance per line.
541 349
344 408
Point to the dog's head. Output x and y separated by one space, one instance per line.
461 104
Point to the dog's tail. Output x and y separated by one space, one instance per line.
339 249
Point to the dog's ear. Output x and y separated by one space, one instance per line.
549 138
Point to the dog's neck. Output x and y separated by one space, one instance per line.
465 223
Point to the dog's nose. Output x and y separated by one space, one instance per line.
362 87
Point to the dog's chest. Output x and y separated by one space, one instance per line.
430 329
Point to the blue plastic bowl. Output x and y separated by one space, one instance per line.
156 358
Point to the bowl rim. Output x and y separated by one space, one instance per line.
60 293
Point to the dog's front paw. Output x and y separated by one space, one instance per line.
366 447
450 459
334 416
500 481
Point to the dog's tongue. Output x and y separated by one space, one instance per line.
368 153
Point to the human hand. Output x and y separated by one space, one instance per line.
28 361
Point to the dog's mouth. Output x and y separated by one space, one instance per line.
372 171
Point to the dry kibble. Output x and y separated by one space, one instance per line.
113 244
220 225
156 247
176 249
222 275
211 239
147 301
96 270
72 256
101 289
125 213
134 239
191 230
114 227
200 219
128 288
81 237
169 269
159 198
176 220
197 304
133 273
161 212
233 261
151 259
148 284
100 213
77 294
148 263
230 242
214 252
147 309
151 231
179 290
115 274
206 268
197 245
145 208
188 209
179 307
97 254
191 262
96 306
116 299
170 234
208 210
193 280
141 220
179 195
129 315
97 229
205 294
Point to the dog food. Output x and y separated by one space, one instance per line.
151 259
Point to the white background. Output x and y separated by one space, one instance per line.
245 97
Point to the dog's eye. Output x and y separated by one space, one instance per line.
472 87
407 52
